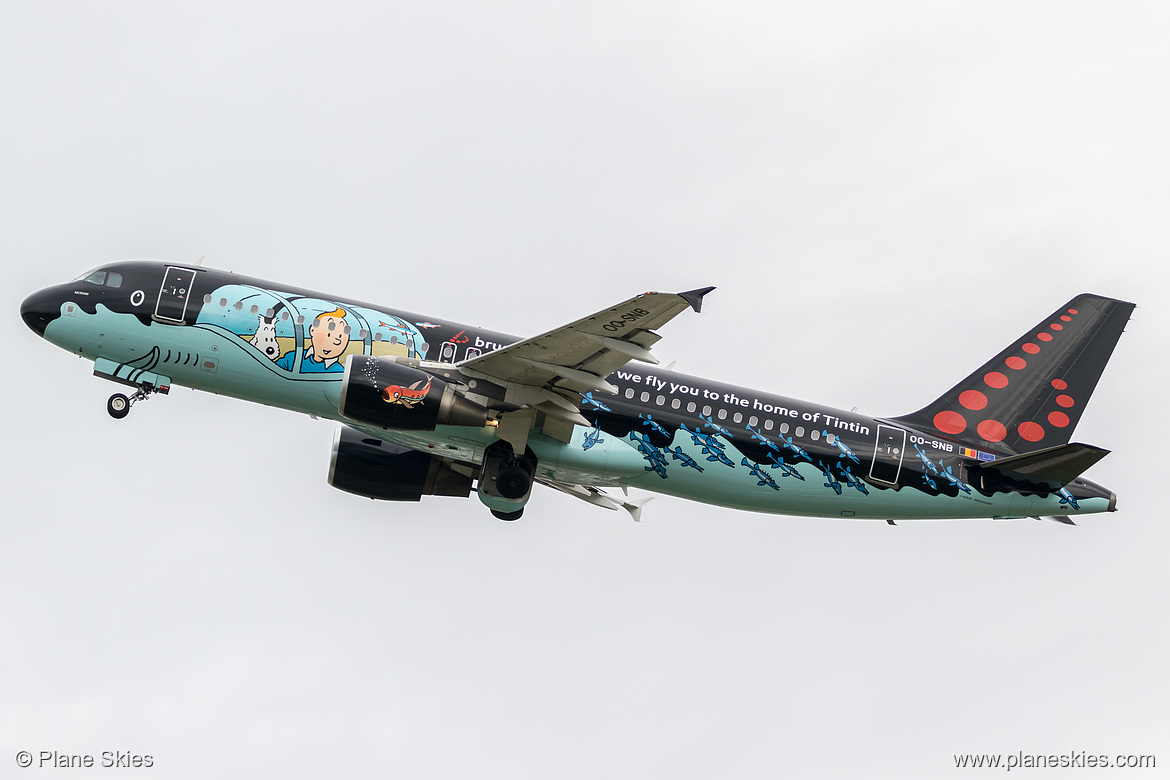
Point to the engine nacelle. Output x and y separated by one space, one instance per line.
377 469
391 395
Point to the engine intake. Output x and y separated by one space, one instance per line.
374 468
388 394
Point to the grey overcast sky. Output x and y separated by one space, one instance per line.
885 195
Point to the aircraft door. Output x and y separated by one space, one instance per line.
887 454
172 298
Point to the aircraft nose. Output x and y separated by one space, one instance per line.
39 309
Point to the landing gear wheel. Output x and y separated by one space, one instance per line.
508 515
118 406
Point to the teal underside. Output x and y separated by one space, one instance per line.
206 357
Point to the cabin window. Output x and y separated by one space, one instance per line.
346 330
783 427
691 407
269 313
362 334
239 306
207 298
722 414
629 392
675 404
223 303
425 347
644 397
830 439
799 431
393 338
660 400
767 425
255 309
114 279
815 434
753 420
300 318
737 419
707 411
377 337
284 316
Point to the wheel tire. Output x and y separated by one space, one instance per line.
508 515
118 406
513 482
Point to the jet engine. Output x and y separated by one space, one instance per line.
392 395
377 469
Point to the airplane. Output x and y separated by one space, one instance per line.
495 414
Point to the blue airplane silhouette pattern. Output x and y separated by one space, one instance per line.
594 437
929 481
1068 498
927 462
762 439
796 448
589 399
719 429
704 440
950 477
651 453
853 481
687 460
719 456
764 478
649 421
829 475
845 451
785 469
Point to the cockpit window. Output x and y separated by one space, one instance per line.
97 277
113 279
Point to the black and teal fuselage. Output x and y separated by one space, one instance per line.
663 431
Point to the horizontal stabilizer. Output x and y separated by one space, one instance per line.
1060 464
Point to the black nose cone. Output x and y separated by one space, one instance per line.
39 309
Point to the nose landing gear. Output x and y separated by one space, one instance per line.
119 405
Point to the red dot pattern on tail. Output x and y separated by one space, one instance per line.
992 430
996 380
973 400
1031 431
952 422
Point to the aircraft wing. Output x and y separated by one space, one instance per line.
579 356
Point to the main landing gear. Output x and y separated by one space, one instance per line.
119 405
505 481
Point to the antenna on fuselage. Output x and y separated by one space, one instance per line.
199 262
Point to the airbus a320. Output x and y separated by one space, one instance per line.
430 407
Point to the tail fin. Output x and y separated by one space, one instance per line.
1031 395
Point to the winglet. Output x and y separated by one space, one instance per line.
695 297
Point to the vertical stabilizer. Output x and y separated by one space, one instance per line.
1031 395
